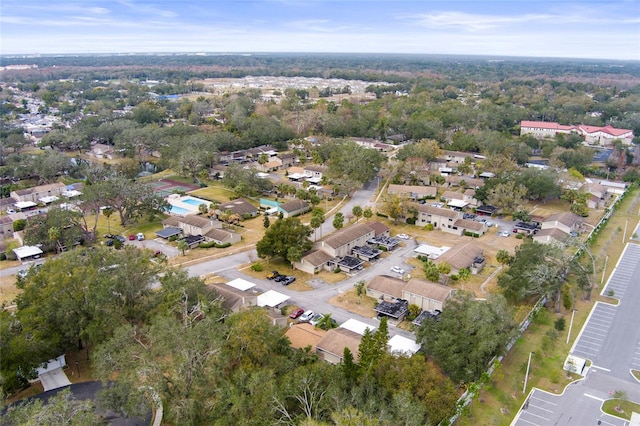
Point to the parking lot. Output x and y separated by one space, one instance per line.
591 339
538 409
622 275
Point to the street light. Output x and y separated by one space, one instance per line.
573 314
526 377
78 369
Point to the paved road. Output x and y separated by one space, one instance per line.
610 339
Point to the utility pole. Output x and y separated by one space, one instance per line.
526 377
606 259
573 314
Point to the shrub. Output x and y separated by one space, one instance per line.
208 244
382 248
519 236
173 238
257 267
471 234
559 324
411 220
3 256
19 225
554 377
337 270
225 245
454 277
428 227
381 214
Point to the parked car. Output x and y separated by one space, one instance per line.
316 319
280 278
504 234
287 280
119 238
296 313
109 242
273 274
132 237
403 236
22 273
306 316
140 236
10 211
397 270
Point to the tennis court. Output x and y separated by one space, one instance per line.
165 187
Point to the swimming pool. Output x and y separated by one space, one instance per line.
178 210
193 201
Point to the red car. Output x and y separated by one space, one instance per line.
132 237
295 314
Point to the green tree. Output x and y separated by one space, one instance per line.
61 410
183 246
396 206
315 223
107 212
468 335
373 346
357 212
338 220
367 213
266 222
503 257
281 236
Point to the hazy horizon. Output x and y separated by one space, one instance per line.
607 30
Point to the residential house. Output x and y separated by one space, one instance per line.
288 159
552 236
567 222
464 226
36 193
414 192
293 208
217 171
313 262
6 226
314 171
233 299
239 206
270 166
460 199
192 224
383 287
222 236
304 336
330 347
344 240
441 219
380 229
103 151
599 196
427 295
466 255
7 203
464 181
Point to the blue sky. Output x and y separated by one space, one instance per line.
582 29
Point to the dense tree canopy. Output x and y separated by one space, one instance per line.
468 334
283 236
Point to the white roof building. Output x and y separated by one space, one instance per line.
357 326
272 298
399 345
241 284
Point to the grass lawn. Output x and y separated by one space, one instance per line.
611 406
215 192
284 268
362 305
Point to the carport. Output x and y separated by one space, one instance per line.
272 299
169 232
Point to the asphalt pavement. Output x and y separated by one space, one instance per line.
610 339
